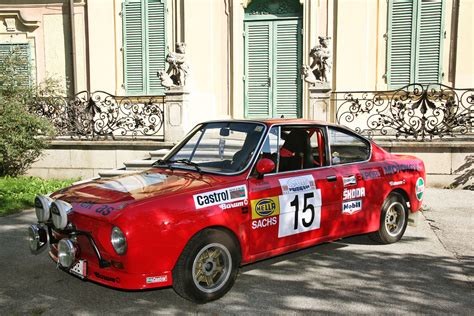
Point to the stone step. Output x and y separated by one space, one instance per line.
139 164
114 172
158 154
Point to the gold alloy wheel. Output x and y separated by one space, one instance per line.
395 219
212 267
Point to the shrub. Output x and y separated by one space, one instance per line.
22 137
23 134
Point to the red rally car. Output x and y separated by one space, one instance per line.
231 193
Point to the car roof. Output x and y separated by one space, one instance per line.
273 121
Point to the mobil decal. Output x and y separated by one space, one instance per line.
265 211
222 196
297 184
350 194
351 207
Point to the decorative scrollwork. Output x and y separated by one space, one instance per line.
100 115
420 111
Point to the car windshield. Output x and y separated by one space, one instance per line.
218 147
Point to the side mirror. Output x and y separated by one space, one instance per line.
264 166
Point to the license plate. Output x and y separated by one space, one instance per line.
80 269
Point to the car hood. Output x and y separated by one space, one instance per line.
107 198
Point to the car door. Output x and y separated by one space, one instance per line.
290 207
349 157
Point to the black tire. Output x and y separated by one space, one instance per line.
393 220
210 256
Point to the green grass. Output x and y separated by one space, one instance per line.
18 193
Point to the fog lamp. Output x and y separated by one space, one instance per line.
67 251
37 237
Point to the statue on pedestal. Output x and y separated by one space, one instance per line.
319 72
178 69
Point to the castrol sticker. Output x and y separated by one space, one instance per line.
222 196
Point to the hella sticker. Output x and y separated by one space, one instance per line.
265 207
222 196
351 207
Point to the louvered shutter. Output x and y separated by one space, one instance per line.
144 36
22 50
156 44
415 30
430 18
287 65
258 51
401 42
134 40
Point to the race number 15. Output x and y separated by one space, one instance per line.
300 212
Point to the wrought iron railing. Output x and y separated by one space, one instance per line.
100 115
419 111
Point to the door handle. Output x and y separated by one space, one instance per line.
331 178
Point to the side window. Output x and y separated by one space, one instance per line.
301 148
347 148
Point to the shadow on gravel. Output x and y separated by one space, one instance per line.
340 277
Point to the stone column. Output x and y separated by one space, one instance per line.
176 107
319 102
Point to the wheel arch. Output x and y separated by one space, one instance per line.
404 194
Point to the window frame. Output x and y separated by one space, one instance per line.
355 135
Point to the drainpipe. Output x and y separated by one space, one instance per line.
73 46
229 34
454 42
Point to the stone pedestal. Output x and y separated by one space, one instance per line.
319 98
176 105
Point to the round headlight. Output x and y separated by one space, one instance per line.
42 205
59 210
118 240
66 253
37 237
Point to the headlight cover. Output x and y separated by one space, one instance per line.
59 211
118 240
42 205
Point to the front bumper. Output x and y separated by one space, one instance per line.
120 279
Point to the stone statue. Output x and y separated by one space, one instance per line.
178 69
320 69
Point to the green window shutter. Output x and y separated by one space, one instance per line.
156 44
414 51
401 42
23 53
257 69
287 76
144 36
430 33
134 40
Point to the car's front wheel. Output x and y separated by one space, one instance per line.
393 220
207 267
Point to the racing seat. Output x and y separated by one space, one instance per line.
296 151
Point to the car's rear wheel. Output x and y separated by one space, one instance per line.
393 220
207 267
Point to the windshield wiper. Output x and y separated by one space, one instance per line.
168 162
